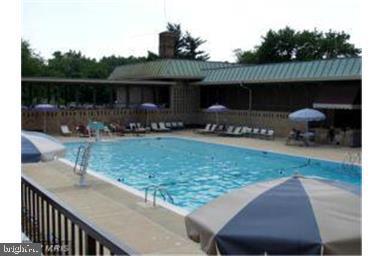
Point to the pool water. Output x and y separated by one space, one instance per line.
195 172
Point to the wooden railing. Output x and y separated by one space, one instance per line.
59 228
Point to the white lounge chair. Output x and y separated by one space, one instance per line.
154 127
162 127
206 129
246 130
180 125
174 125
65 130
270 134
263 133
236 132
168 125
255 132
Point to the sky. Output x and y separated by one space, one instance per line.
100 28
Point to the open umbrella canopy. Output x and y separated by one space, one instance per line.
217 108
148 106
46 108
37 147
306 115
288 216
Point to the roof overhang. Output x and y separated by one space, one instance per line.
270 81
77 81
336 106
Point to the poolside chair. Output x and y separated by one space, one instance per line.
83 131
212 130
255 132
180 125
65 130
270 134
206 129
162 127
220 128
174 125
154 127
228 130
246 130
107 131
237 132
139 128
168 125
263 133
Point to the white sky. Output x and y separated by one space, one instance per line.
130 27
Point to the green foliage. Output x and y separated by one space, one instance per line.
187 45
290 45
31 63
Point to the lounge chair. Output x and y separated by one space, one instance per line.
65 130
237 132
270 134
263 133
206 129
83 131
174 125
255 132
228 130
154 127
107 131
246 130
220 128
168 125
139 128
180 125
162 127
213 129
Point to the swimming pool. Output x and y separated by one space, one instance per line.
195 172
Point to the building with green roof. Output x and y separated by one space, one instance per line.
257 95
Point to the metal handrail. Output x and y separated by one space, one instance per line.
35 216
157 189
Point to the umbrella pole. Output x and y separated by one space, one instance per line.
217 118
45 122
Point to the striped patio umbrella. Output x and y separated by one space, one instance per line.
287 216
36 146
217 109
46 108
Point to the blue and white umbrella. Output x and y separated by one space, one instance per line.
36 146
288 216
148 106
45 108
306 115
217 109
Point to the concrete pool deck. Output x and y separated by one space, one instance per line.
147 229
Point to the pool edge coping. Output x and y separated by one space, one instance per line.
159 202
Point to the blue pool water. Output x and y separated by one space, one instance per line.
195 172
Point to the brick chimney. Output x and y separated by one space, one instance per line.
167 44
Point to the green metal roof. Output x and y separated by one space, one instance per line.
320 70
166 69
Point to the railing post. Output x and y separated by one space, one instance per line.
90 248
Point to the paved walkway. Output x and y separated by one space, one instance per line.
147 229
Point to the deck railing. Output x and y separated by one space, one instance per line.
60 230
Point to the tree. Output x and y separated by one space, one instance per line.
290 45
31 63
186 45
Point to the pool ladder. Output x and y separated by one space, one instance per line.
158 189
82 160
